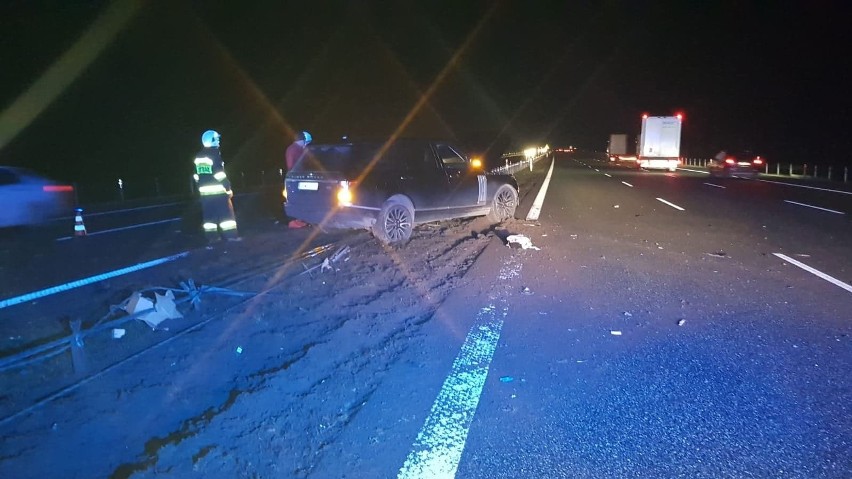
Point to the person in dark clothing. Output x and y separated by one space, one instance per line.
297 149
217 210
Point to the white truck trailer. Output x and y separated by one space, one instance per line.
659 142
618 149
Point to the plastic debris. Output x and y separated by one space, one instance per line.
520 241
239 350
616 206
681 322
154 312
719 254
118 333
628 314
615 333
526 291
506 379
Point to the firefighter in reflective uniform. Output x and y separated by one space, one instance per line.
215 190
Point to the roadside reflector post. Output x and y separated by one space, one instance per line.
816 168
829 172
845 173
778 169
791 169
78 356
767 168
79 227
805 169
121 188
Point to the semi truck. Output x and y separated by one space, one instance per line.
659 142
618 150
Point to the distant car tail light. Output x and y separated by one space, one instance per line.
58 188
758 161
730 161
344 194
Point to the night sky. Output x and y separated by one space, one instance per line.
95 91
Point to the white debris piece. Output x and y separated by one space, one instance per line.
681 322
615 333
165 308
521 241
118 333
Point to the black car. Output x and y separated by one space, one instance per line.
390 187
744 164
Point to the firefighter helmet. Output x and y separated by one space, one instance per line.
210 139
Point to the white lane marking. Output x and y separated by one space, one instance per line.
715 186
608 175
66 238
85 281
808 187
670 204
439 445
626 183
816 272
597 170
539 198
815 207
695 171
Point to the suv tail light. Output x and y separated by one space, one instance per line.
730 161
757 161
344 194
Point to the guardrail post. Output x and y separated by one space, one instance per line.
791 169
816 168
805 169
157 186
766 168
829 172
845 173
778 169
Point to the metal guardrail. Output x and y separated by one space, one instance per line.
791 170
520 162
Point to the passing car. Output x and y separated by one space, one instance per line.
28 198
740 164
391 187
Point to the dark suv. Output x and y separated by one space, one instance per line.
390 187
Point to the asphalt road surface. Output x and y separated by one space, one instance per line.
663 325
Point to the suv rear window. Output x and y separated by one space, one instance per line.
352 160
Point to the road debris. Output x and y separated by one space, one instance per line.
521 241
719 254
615 333
118 333
681 322
163 307
527 291
506 379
